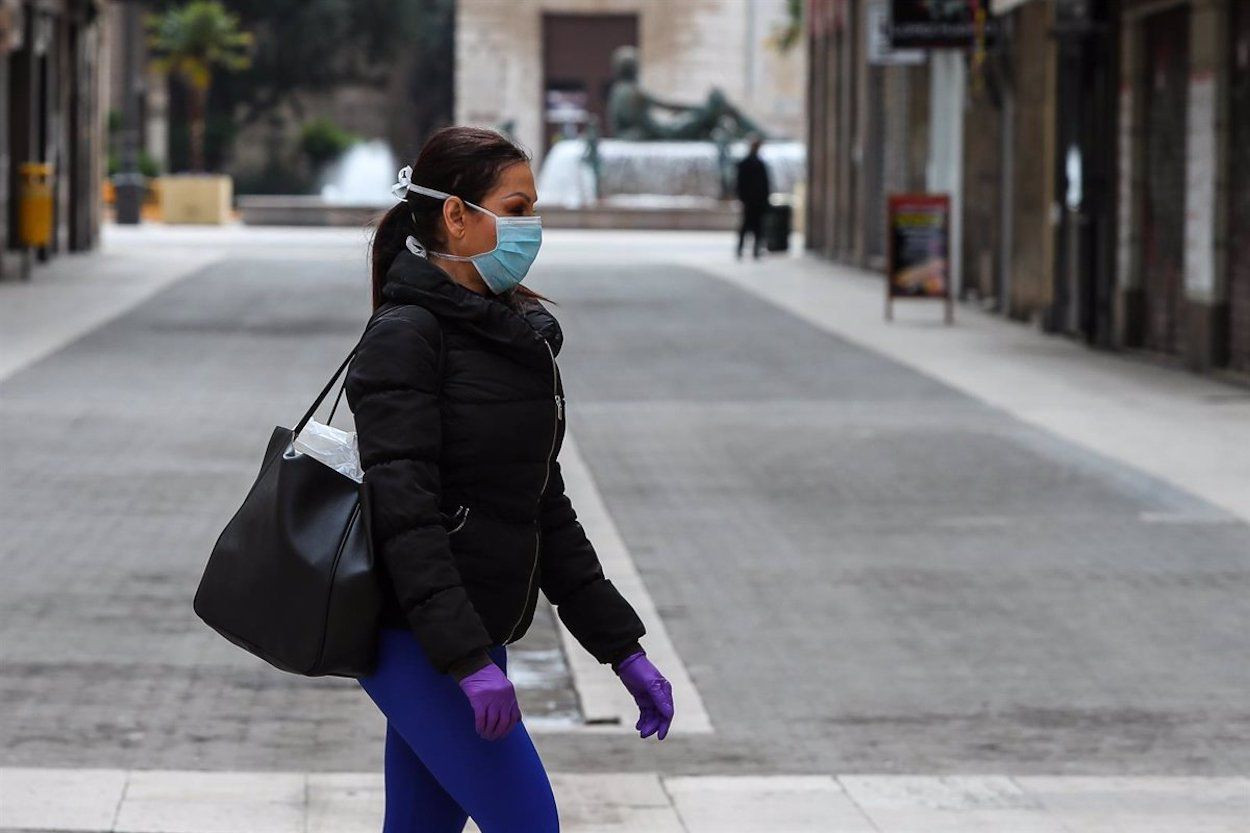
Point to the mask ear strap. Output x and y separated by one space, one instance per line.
414 246
431 192
404 183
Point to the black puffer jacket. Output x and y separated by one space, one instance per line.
460 416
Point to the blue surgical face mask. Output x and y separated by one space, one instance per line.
517 240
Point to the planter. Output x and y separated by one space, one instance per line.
202 199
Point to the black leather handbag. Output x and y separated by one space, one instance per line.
291 578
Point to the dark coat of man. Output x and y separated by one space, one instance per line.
753 189
753 184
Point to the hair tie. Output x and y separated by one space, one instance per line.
402 184
415 246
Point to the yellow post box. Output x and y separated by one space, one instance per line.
34 205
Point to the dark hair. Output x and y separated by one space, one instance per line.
465 161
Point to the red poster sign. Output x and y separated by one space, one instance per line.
918 248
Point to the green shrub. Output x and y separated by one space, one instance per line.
148 166
322 141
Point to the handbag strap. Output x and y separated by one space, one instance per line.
335 406
308 414
325 390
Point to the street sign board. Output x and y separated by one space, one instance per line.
940 24
880 53
918 249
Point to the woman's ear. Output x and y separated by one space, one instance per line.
453 218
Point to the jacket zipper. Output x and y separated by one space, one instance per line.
463 513
555 434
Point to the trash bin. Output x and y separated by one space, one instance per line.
34 205
777 222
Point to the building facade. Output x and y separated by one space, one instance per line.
517 63
50 94
1182 185
1094 152
152 92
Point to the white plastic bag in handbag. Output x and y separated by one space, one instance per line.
332 446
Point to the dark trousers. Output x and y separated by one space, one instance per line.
752 221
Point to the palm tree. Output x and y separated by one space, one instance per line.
191 41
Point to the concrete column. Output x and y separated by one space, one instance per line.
129 182
844 145
499 68
156 123
895 130
1206 303
944 172
835 137
5 162
1128 182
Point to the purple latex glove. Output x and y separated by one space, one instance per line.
495 709
652 693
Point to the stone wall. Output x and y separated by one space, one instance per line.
685 49
367 112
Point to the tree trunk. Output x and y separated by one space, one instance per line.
198 105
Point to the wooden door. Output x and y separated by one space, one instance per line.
577 63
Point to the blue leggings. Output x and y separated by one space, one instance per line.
438 772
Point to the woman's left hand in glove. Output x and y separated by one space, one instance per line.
652 693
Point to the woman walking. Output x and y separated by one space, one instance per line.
459 411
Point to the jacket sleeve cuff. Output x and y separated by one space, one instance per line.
623 654
465 666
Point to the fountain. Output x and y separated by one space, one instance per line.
654 183
668 165
362 176
641 184
354 191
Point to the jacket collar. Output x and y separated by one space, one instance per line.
522 325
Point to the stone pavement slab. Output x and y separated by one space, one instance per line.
1149 805
865 569
918 804
603 699
76 293
889 556
184 801
1188 430
765 804
61 799
159 801
126 451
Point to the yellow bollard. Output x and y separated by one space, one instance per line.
34 207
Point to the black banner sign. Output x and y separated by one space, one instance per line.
940 24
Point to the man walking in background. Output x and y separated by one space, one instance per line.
753 189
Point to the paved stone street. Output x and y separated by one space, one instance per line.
921 566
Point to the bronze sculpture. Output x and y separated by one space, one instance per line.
631 110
